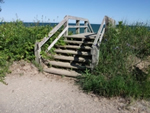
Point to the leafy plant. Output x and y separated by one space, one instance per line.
17 42
116 73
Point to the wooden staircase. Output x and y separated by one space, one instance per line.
74 57
80 52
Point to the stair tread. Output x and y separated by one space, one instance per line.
76 47
72 52
78 42
67 65
71 58
61 72
83 35
80 37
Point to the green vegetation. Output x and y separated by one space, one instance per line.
17 42
117 74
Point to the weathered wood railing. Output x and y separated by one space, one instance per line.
87 28
96 44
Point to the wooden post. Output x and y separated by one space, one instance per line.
85 24
65 25
109 22
77 24
37 51
95 56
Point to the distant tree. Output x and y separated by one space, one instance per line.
1 1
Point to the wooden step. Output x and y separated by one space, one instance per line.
67 65
83 36
78 42
72 52
80 37
76 47
70 58
61 72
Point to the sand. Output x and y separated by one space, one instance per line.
29 91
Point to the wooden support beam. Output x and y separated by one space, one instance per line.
53 31
54 42
95 57
76 18
37 50
101 37
77 24
66 25
109 22
99 32
90 28
85 24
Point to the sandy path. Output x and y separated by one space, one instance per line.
29 91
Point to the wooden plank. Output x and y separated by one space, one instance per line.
61 72
109 22
101 27
53 31
37 51
96 39
102 35
91 29
70 58
66 25
82 19
78 26
85 24
78 42
53 43
76 47
67 65
76 18
81 36
99 32
95 57
72 52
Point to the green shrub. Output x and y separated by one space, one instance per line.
17 42
116 73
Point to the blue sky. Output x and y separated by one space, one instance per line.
94 10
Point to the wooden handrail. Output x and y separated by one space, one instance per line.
101 37
106 21
96 44
52 44
90 27
77 26
53 31
64 22
76 18
99 32
66 18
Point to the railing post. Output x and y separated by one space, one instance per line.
90 28
95 56
85 24
65 25
37 51
109 22
77 24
